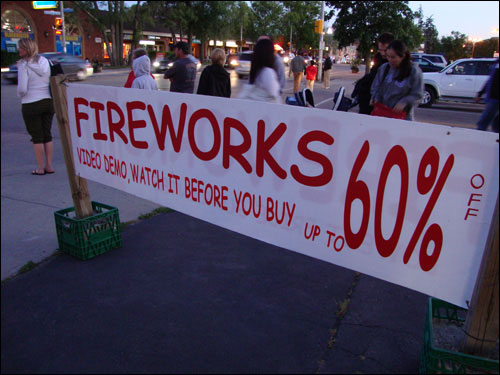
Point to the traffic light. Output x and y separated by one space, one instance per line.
58 26
318 26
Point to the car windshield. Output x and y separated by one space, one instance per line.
246 57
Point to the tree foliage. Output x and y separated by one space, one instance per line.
453 45
106 15
486 48
361 22
300 15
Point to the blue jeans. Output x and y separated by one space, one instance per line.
489 115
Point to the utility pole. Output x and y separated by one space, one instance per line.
63 34
321 44
241 37
290 51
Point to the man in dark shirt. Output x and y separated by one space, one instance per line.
183 74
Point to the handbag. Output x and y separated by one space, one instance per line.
382 110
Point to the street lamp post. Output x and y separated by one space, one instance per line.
474 41
321 44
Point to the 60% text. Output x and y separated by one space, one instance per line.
427 180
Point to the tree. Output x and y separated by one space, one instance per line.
266 19
362 21
431 41
300 15
454 46
112 18
486 48
210 21
138 15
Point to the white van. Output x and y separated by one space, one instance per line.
435 59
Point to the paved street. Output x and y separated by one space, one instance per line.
183 295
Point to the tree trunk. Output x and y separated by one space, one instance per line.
190 42
135 36
202 49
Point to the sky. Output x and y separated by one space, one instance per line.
476 19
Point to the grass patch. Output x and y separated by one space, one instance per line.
156 211
27 267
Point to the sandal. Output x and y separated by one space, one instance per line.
49 172
35 173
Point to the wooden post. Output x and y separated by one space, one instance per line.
78 185
481 324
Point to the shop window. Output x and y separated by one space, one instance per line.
14 22
126 50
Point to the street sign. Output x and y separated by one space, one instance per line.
44 4
68 10
52 12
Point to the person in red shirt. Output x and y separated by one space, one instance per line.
311 72
131 76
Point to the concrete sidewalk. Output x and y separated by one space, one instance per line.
185 296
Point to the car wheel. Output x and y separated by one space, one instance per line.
428 98
81 75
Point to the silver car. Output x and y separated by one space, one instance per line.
244 64
73 66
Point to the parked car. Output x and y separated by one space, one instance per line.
231 61
435 59
458 82
426 65
73 66
244 64
161 66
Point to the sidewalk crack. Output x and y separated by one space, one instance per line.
340 313
31 202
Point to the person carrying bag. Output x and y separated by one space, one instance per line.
398 84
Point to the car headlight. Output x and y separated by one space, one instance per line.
234 63
198 66
156 64
170 65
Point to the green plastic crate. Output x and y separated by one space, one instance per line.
440 361
91 236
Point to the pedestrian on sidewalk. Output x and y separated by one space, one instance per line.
214 79
363 86
131 76
399 83
311 72
33 73
278 65
142 70
327 68
263 83
183 73
298 66
490 113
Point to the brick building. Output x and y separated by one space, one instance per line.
21 20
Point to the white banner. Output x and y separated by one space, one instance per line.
407 202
